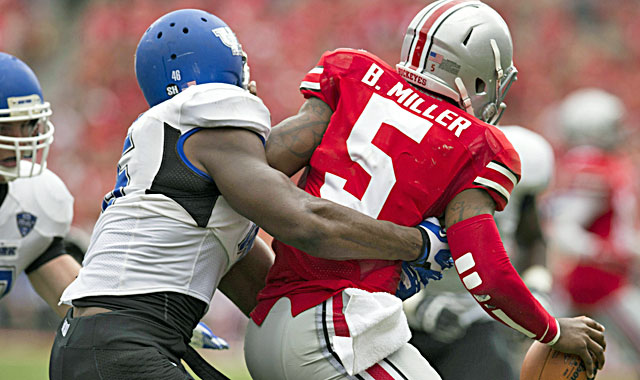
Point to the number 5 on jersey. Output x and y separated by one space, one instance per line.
379 111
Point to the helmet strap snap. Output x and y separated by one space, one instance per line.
465 101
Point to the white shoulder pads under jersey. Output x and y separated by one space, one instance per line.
46 197
536 157
213 105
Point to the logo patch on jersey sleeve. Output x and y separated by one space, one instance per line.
25 221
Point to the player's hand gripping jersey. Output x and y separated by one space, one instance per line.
392 153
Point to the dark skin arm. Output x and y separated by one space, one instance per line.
293 140
580 335
235 158
529 236
247 277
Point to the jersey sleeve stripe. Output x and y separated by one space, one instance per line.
493 186
511 323
497 166
312 86
317 70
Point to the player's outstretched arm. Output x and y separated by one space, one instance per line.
50 280
235 158
486 272
247 277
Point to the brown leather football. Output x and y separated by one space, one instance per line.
544 363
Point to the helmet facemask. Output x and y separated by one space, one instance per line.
31 148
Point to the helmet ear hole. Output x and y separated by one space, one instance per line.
480 86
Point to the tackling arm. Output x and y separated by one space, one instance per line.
247 277
236 160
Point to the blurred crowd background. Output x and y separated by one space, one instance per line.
83 53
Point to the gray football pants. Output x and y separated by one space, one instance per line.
288 348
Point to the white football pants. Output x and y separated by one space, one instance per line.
288 348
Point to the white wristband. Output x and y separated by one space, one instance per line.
555 338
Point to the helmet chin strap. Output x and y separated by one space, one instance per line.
465 101
496 55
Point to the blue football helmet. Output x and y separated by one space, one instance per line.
23 109
185 48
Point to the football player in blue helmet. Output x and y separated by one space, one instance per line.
25 129
36 208
192 183
180 50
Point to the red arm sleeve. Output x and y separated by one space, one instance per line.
485 270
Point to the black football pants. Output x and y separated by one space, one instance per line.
115 346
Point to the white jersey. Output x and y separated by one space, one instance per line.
165 227
35 211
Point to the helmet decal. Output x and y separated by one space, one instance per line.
431 19
229 39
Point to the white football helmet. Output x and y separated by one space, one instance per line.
591 116
21 102
463 51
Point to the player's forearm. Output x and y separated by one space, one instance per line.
236 160
332 231
486 272
247 277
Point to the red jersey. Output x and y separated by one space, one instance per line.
609 177
393 153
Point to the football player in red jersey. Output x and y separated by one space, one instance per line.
595 222
400 146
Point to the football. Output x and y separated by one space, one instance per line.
544 363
